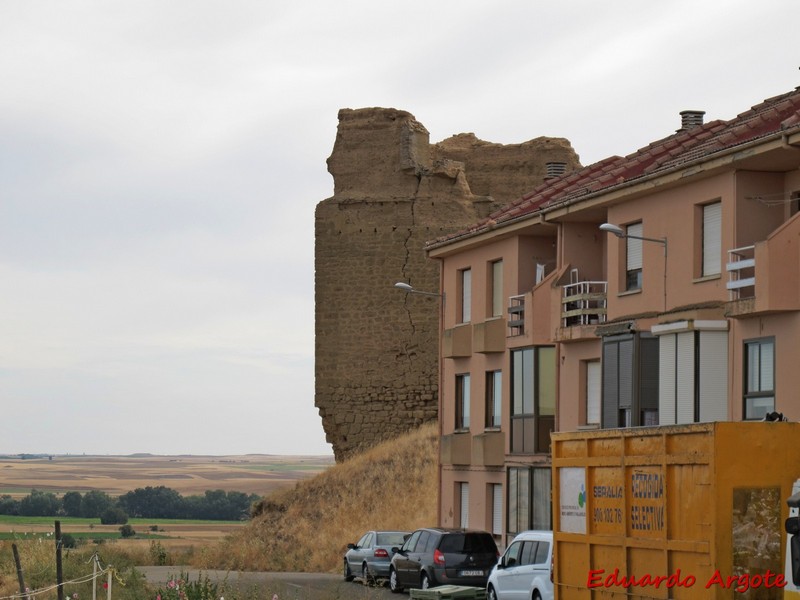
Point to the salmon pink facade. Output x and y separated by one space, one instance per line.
658 288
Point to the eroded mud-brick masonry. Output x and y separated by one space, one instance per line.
376 348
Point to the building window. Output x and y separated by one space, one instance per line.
463 504
494 398
497 289
693 377
633 257
712 238
529 499
592 392
533 399
462 401
630 381
496 502
465 283
759 374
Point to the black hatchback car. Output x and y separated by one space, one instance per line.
435 556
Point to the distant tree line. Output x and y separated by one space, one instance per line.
149 503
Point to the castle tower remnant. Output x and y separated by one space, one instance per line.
376 348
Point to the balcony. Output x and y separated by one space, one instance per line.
457 341
583 303
488 449
456 449
489 336
741 268
765 277
583 307
516 315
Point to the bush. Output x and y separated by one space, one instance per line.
127 531
114 516
158 555
68 541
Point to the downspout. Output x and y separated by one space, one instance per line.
559 358
440 394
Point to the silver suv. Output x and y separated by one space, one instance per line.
525 570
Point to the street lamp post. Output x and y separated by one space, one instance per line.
409 289
620 233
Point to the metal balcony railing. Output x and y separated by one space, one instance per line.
516 315
741 269
584 303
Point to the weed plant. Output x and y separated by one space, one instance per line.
307 528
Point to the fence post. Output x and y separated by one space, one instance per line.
19 572
59 569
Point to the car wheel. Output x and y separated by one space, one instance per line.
366 576
425 582
394 585
491 594
348 575
536 595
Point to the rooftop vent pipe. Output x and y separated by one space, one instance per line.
691 118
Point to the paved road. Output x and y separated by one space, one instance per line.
288 586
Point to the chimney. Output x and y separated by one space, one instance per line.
691 118
555 169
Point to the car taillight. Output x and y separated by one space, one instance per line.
438 558
551 568
381 553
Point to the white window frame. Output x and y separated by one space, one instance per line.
463 382
761 392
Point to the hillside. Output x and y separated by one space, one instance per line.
307 528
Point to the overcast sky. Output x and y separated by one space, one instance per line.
160 161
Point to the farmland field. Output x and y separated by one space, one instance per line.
189 475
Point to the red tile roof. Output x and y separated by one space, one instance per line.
773 116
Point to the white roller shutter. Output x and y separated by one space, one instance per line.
713 376
685 377
666 380
593 392
466 296
634 248
497 509
712 241
464 505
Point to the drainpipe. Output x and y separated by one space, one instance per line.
440 394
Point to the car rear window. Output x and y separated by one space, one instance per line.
468 543
391 539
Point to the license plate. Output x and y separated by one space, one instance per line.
471 573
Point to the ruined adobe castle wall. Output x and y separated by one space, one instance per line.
376 347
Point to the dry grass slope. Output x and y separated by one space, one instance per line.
307 528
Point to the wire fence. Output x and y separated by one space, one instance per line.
98 572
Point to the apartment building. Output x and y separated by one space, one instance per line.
657 288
